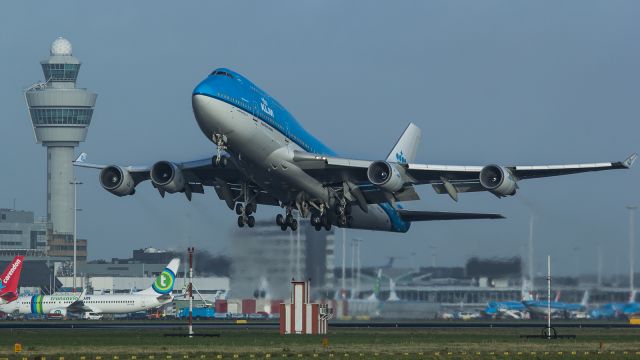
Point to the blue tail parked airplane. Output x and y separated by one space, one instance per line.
617 310
264 156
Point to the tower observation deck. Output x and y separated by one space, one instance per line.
60 113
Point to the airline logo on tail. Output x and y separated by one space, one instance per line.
10 278
164 282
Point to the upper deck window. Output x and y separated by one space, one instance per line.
222 73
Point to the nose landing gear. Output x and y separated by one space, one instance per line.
221 145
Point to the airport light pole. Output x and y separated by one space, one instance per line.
632 235
548 296
356 243
530 253
599 265
190 251
75 228
344 261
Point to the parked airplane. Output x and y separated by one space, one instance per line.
617 310
159 293
264 156
10 279
558 309
506 309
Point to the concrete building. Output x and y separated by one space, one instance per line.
210 288
60 113
20 231
265 259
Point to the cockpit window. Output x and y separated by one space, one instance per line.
222 73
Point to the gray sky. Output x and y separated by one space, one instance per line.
508 82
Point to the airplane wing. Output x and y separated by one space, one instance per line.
227 181
408 215
79 306
445 179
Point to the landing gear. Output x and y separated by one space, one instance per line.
321 221
221 145
343 212
244 212
287 221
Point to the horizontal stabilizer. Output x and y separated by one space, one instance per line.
408 215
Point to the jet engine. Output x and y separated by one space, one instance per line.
117 181
58 312
498 180
167 176
385 176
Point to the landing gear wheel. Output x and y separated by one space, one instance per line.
283 227
327 226
279 219
342 221
239 209
315 220
251 221
250 209
288 219
294 225
349 221
240 221
324 220
318 227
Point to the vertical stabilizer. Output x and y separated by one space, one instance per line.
585 299
10 278
163 285
406 148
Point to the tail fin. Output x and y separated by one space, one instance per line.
407 146
10 278
632 296
585 299
163 284
557 299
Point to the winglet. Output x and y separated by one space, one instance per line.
81 158
628 162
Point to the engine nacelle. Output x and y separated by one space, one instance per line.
385 176
167 176
54 313
498 180
117 181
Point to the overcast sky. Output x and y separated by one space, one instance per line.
507 82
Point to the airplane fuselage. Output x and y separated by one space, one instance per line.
100 304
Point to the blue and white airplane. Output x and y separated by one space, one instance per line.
264 156
558 308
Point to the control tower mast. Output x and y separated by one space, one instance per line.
60 113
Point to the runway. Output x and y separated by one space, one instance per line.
107 324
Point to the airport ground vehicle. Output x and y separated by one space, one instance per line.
198 313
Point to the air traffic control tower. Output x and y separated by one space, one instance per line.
60 113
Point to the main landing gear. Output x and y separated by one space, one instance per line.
244 214
221 145
287 221
343 213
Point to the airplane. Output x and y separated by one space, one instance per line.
616 310
506 309
558 308
158 294
10 279
265 157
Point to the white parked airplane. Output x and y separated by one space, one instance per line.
159 293
264 156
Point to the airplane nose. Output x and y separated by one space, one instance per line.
204 88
